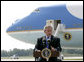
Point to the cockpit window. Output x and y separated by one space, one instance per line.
16 21
36 10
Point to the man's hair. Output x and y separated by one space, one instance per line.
46 26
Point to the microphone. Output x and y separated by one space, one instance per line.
48 41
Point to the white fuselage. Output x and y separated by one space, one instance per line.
76 40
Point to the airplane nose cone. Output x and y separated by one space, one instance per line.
10 29
14 26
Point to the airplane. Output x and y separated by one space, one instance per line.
67 21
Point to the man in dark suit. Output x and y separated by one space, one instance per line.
48 41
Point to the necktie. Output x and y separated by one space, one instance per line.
47 45
47 37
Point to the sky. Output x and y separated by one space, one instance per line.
12 10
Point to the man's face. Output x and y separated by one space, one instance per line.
48 31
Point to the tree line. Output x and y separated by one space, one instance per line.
29 52
18 52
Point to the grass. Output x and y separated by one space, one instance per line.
31 57
73 59
26 57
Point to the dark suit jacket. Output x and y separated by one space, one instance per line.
55 42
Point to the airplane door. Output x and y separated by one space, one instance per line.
53 23
56 22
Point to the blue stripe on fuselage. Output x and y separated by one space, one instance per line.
37 20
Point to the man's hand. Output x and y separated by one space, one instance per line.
53 49
38 50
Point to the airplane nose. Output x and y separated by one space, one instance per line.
25 36
10 29
13 27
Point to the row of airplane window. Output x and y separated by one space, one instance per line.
26 27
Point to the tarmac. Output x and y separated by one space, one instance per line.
32 59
